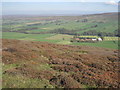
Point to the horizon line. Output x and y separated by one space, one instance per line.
59 15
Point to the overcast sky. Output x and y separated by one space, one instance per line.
58 8
59 0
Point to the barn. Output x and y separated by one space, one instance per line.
86 39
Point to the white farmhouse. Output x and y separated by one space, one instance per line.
100 39
94 39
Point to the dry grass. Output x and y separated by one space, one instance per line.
58 65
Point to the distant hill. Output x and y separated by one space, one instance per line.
105 23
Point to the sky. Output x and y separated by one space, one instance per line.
59 0
59 7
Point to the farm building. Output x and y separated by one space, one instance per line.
100 39
86 39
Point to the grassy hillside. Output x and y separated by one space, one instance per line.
60 29
79 24
30 64
109 42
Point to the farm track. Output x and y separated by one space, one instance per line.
64 66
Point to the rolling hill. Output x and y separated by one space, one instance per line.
106 22
33 64
54 29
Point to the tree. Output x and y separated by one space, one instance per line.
101 35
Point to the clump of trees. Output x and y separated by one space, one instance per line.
64 31
117 33
101 34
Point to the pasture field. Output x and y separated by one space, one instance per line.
109 42
104 44
79 24
30 37
60 29
60 37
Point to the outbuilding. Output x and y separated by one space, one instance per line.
100 39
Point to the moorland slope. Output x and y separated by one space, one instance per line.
32 64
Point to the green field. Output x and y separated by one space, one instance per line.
105 44
109 42
60 29
105 23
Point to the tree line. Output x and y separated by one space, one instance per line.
98 33
91 32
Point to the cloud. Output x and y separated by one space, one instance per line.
112 2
